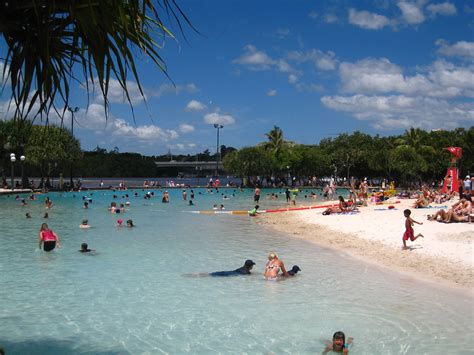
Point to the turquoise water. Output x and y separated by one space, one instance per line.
135 295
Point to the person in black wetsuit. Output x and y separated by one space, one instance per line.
244 270
294 270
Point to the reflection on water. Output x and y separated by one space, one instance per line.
133 296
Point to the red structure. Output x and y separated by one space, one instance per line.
451 180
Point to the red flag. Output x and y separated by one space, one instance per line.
456 151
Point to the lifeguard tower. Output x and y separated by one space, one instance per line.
451 180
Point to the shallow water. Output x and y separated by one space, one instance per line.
136 295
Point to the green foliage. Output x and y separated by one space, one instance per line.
49 42
51 146
416 155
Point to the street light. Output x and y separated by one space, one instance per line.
218 127
73 111
13 160
22 158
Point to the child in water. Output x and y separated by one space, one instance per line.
409 232
338 344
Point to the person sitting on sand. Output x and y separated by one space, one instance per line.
409 232
424 200
338 344
273 267
459 212
244 270
340 208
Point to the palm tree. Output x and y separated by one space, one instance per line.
413 138
50 42
275 140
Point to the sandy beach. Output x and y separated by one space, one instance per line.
375 235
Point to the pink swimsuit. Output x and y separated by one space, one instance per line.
48 236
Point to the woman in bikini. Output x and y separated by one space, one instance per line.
273 267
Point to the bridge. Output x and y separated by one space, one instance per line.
190 165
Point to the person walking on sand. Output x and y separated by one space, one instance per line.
409 232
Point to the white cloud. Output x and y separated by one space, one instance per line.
458 49
441 79
93 118
195 105
313 15
116 93
186 128
189 88
322 60
254 59
445 8
272 92
412 13
330 18
216 117
292 79
367 20
398 111
123 129
282 33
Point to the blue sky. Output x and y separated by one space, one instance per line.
313 68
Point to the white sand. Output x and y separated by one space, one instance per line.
446 253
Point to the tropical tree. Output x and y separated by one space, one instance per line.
49 42
50 147
275 141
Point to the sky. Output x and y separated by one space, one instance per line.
315 69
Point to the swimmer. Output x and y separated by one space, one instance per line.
86 205
27 215
130 223
119 222
85 249
244 270
221 207
84 224
46 215
338 343
273 267
191 203
47 238
294 270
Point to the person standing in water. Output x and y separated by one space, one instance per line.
47 239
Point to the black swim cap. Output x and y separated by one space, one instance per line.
249 262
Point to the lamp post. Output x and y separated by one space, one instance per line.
22 159
13 160
218 127
73 111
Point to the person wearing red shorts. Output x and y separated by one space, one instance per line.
409 232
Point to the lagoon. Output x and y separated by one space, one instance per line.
136 295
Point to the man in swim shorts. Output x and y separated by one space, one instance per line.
244 270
